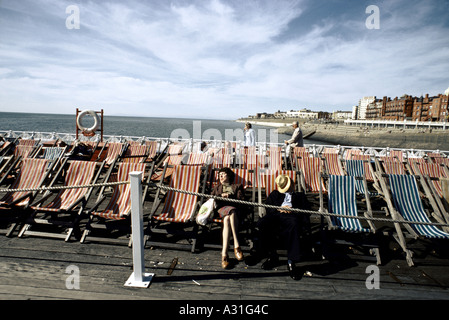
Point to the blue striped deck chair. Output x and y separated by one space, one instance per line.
407 205
342 197
356 168
404 190
342 200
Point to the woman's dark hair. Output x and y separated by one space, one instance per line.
229 172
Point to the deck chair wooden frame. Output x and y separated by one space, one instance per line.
115 215
178 209
342 199
52 209
405 204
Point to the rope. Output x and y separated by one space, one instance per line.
249 203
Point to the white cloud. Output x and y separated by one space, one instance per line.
198 58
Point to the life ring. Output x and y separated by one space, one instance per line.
91 130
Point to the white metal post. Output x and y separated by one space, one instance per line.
138 278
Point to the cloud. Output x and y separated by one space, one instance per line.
197 58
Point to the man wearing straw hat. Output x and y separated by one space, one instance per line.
286 224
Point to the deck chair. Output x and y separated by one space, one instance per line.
114 151
135 153
178 208
369 170
119 206
310 174
405 205
198 159
349 153
358 168
390 165
333 164
342 200
66 208
32 175
275 158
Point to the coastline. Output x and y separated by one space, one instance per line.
341 134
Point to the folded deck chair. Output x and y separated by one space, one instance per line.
343 201
179 208
405 204
69 202
119 205
32 175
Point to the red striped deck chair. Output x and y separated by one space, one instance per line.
180 207
333 164
349 153
435 172
393 166
298 152
169 167
330 150
66 201
175 149
411 163
275 158
119 205
32 174
270 179
397 154
24 151
311 169
113 152
136 153
198 159
152 149
28 142
441 160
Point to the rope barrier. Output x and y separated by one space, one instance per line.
249 203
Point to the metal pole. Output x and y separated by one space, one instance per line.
138 278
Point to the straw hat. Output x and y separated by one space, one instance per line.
283 183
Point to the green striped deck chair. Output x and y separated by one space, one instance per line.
405 193
342 200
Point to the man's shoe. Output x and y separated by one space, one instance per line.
224 262
294 272
270 263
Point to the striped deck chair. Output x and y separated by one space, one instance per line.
113 152
178 207
367 165
393 166
135 153
32 174
333 164
24 151
349 153
66 201
198 159
397 154
343 201
406 205
28 142
167 171
356 168
119 205
311 169
275 158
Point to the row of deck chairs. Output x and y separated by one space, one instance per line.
197 173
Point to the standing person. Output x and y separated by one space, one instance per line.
286 224
250 135
296 139
229 212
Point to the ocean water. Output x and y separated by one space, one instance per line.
140 127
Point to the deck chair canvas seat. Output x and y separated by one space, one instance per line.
67 201
405 204
32 175
118 207
342 200
357 168
179 208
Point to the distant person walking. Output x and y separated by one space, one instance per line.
296 140
250 135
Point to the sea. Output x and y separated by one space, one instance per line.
149 127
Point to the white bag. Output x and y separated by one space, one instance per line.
205 213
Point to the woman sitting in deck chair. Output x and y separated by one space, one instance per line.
229 212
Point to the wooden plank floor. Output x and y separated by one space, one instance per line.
37 268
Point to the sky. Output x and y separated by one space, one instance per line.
218 59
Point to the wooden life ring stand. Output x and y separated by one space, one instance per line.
88 131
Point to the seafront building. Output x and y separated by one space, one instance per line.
420 109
